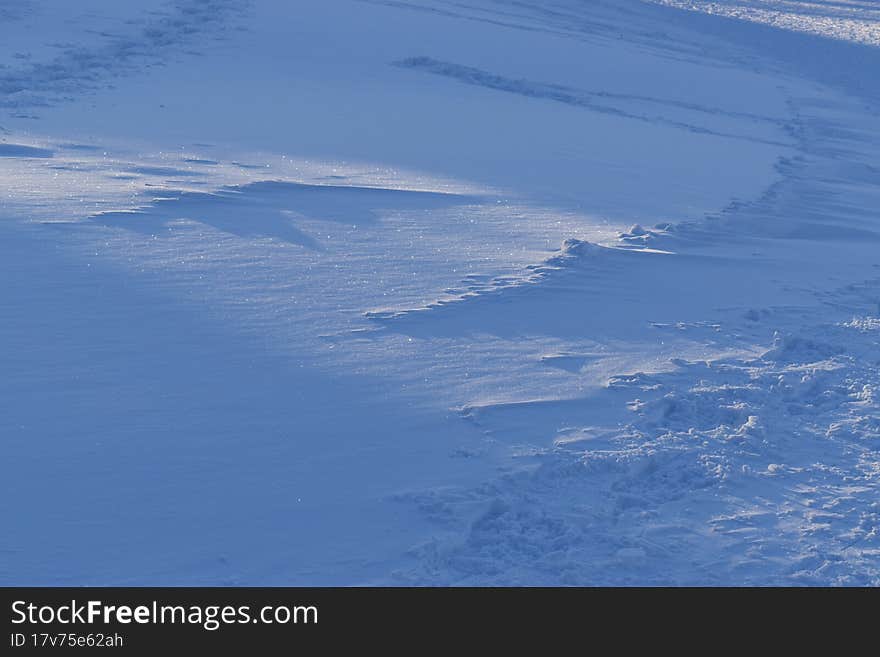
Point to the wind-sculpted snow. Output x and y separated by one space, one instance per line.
761 471
249 210
758 469
438 292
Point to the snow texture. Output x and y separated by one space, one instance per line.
423 292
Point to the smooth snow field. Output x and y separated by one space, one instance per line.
440 292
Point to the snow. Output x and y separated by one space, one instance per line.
846 21
355 292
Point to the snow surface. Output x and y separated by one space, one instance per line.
439 292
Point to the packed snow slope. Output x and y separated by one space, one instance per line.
430 292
